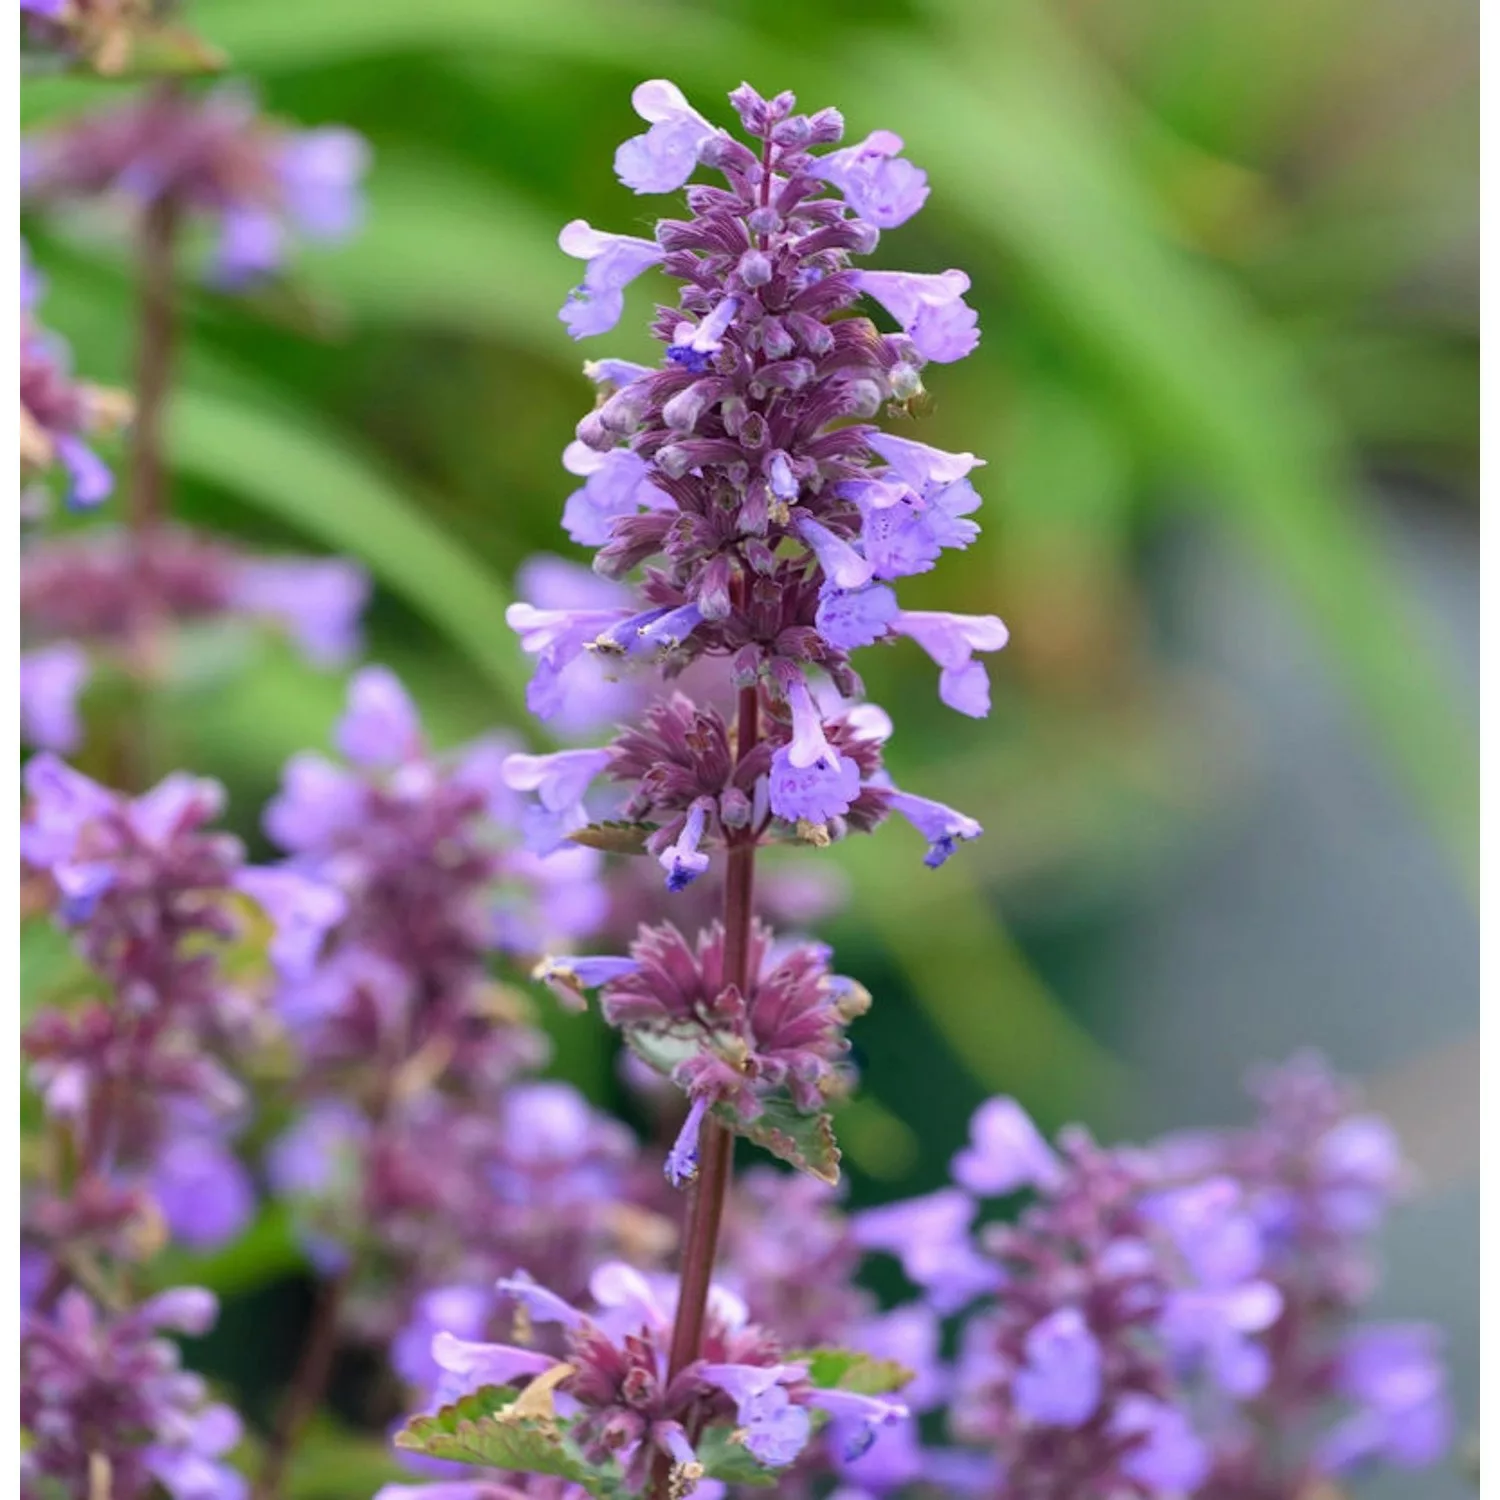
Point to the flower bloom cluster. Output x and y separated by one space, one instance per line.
152 899
1318 1175
142 1087
420 1143
81 595
109 1409
1154 1312
213 156
673 1002
611 1381
58 413
770 516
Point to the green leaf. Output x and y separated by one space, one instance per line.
802 1141
270 35
615 837
331 1463
446 249
499 1428
663 1048
731 1462
51 969
319 482
850 1370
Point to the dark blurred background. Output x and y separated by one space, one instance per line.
1225 261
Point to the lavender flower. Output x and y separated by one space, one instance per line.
211 155
1154 1314
735 470
145 1084
105 1403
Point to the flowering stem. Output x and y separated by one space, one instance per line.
716 1144
147 506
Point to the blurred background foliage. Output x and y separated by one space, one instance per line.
1224 261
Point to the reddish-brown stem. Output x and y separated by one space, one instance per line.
147 503
705 1211
308 1384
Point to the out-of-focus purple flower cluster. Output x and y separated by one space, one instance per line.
110 1411
212 156
143 1101
144 1080
81 596
1177 1319
58 413
422 1150
744 473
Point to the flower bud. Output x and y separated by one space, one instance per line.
755 268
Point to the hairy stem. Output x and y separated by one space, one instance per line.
308 1384
705 1210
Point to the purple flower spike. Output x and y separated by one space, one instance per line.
943 827
1061 1381
1006 1152
931 310
681 860
682 1159
614 261
879 184
951 641
665 156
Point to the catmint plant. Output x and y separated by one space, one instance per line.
141 1082
1174 1319
763 521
